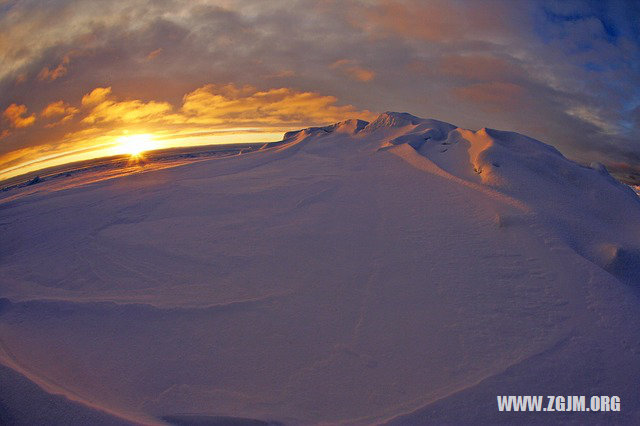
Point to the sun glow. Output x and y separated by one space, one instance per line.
134 145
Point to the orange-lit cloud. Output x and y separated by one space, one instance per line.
105 108
353 70
152 55
47 74
232 105
129 112
16 115
60 110
219 105
96 96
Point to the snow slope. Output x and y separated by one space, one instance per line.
402 271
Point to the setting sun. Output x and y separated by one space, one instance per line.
134 145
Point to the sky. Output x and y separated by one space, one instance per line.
80 79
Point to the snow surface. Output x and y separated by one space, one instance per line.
403 271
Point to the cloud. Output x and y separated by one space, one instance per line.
220 105
16 115
60 110
106 109
57 108
96 96
353 70
216 105
207 107
47 74
591 116
152 55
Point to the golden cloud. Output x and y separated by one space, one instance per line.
16 114
96 96
219 106
54 109
231 105
106 109
59 109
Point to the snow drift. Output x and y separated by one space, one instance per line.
403 270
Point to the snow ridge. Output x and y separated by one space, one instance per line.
536 177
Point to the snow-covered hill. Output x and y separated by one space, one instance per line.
402 270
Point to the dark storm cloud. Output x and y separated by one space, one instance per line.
563 72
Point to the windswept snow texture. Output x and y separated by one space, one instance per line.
403 270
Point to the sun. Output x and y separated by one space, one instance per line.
134 145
